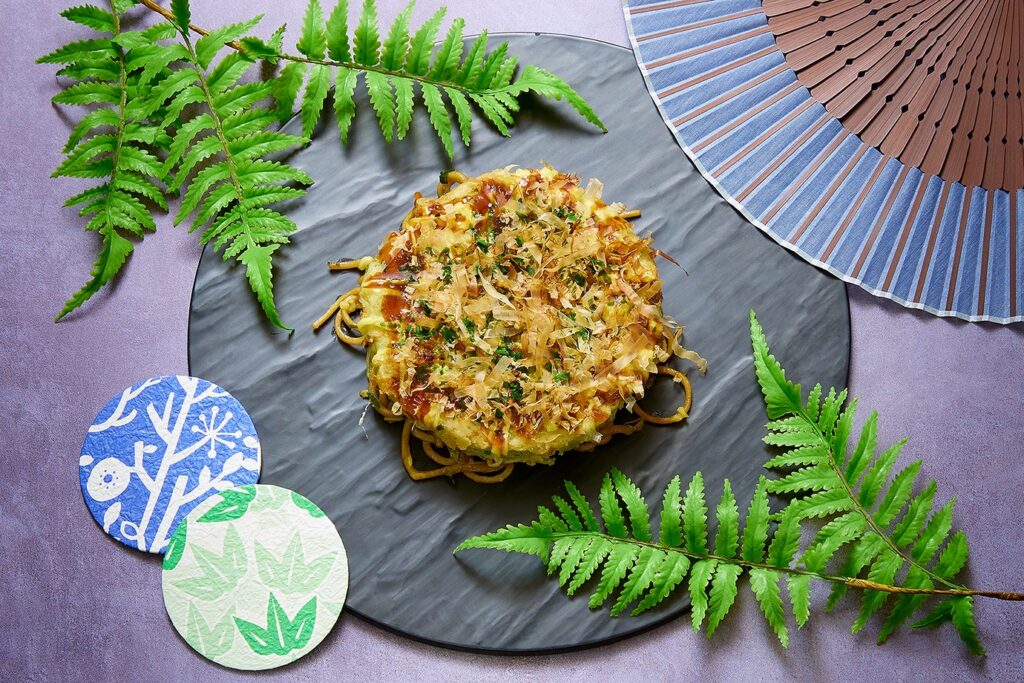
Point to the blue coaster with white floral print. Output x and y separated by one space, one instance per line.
158 450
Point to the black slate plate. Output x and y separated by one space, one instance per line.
302 391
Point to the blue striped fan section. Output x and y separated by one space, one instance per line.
739 112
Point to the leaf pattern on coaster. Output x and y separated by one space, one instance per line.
292 574
220 572
307 505
209 642
233 504
276 556
281 635
176 546
332 608
269 498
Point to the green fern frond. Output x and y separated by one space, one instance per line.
344 100
642 572
366 44
633 570
728 518
695 516
546 84
182 14
111 142
700 574
898 552
393 65
889 530
219 159
404 104
449 55
671 526
396 45
382 99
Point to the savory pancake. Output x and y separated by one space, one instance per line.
509 320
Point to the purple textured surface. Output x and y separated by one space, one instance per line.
75 605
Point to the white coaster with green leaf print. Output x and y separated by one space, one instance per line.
255 577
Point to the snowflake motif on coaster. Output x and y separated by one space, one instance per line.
159 449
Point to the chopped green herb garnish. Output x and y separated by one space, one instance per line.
515 390
561 376
420 331
579 279
449 334
424 306
470 325
503 350
446 274
520 241
485 241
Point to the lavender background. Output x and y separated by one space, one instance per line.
75 605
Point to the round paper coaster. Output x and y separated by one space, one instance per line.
159 449
255 577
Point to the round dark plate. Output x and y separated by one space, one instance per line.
303 390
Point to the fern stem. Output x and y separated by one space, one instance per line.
862 584
235 45
122 104
218 126
871 585
166 13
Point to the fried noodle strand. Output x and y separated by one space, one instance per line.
683 411
475 468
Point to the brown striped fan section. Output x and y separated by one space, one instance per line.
935 83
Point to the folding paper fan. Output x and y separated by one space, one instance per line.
882 140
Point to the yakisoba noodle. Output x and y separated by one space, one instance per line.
509 320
